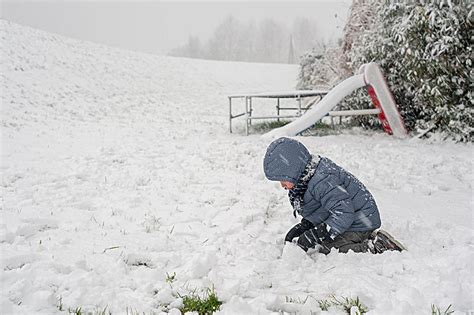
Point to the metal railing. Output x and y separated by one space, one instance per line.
298 95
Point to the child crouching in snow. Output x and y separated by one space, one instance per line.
337 209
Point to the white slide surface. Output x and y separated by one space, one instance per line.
369 74
320 109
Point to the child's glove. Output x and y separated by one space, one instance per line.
298 229
312 237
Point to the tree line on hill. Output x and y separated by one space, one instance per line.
266 41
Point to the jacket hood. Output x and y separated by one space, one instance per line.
285 160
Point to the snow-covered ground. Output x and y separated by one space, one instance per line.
118 169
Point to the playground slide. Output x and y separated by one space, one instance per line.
391 119
369 74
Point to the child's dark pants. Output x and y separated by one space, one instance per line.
355 241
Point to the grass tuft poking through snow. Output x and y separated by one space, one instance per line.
208 304
79 311
347 304
170 278
263 127
435 310
319 127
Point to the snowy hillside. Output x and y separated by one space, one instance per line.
118 171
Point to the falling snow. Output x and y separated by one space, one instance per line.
118 171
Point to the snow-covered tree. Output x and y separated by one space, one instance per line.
325 65
305 35
192 49
225 42
266 41
361 18
272 42
425 50
246 42
319 69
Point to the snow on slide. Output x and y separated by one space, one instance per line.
323 107
369 74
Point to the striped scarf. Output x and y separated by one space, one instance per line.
297 192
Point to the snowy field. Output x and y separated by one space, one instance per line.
118 169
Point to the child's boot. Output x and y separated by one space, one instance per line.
382 241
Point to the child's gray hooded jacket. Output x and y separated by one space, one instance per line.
334 196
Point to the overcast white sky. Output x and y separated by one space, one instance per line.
157 26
